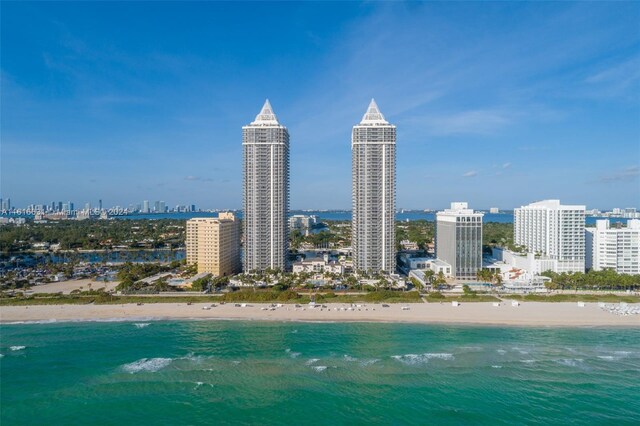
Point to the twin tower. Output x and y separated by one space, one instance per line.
265 145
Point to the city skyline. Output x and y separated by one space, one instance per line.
115 115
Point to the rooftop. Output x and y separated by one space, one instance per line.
266 117
373 116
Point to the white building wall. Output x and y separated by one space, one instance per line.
614 248
550 229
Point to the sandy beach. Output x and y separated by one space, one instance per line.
526 314
66 287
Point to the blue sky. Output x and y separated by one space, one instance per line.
499 104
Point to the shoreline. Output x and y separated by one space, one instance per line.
527 314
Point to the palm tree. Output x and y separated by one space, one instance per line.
440 280
429 276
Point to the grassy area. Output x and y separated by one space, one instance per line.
101 300
439 297
251 296
266 296
372 297
608 298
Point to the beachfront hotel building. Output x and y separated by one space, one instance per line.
373 149
265 144
459 240
616 248
554 231
214 244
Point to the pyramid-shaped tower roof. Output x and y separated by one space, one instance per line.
373 115
266 117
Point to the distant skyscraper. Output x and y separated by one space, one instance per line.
100 205
552 230
145 206
373 150
265 144
459 240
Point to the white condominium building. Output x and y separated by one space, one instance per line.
265 144
302 223
550 229
373 148
214 244
613 248
459 240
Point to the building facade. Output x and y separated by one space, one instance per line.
214 244
318 266
302 223
265 144
459 240
550 229
613 248
373 148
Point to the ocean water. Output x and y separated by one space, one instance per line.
232 372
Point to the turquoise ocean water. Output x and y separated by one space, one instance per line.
231 372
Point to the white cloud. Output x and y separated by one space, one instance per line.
470 173
506 165
625 175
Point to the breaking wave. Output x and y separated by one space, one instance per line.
415 359
292 354
147 364
362 362
570 362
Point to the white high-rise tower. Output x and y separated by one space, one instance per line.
265 144
373 149
553 230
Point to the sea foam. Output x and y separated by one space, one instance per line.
292 354
570 362
362 362
147 364
141 324
17 348
415 359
